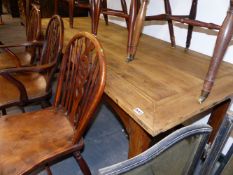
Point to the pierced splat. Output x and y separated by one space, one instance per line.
79 80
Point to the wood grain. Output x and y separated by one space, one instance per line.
162 81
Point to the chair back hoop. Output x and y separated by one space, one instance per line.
52 47
177 153
33 28
81 81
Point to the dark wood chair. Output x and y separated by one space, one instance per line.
178 153
28 84
36 140
222 41
79 4
134 9
8 58
120 13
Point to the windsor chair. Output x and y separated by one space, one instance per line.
36 140
131 18
8 58
23 85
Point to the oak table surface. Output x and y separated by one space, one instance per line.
162 81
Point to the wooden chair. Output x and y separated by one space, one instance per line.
222 42
28 84
131 17
36 140
178 153
120 13
8 58
80 4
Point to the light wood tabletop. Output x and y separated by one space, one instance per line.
160 88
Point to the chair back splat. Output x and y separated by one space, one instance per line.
24 85
81 82
33 30
52 47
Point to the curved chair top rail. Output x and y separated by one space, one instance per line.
82 80
33 25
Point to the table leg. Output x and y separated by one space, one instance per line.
135 28
217 116
139 139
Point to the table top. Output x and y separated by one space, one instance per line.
160 88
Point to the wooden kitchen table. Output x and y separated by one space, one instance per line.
160 88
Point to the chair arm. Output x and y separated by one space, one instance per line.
26 44
39 68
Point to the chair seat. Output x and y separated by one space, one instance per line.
7 61
29 138
35 85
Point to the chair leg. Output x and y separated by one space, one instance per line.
4 111
1 21
168 11
55 6
96 16
105 6
48 170
45 104
192 15
22 109
82 163
71 13
124 8
136 25
223 40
